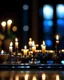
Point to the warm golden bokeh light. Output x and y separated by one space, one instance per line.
14 28
2 37
9 22
3 24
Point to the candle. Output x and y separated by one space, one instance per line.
11 47
9 22
16 43
25 50
33 46
43 76
30 41
2 51
57 39
43 46
3 24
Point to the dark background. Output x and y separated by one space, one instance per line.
13 10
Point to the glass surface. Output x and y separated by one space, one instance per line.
31 75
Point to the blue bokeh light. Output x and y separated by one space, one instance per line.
60 11
47 12
48 42
62 61
47 25
60 27
60 22
50 62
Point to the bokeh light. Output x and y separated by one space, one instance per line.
60 27
60 22
60 11
47 12
48 42
47 25
25 28
14 28
25 7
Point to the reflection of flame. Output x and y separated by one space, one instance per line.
17 77
43 76
2 51
26 77
57 77
34 78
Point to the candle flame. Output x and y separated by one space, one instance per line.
25 47
3 23
16 39
9 22
43 42
2 51
30 39
11 43
57 37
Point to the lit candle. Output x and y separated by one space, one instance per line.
33 46
43 76
30 42
25 50
16 43
57 77
2 51
57 39
9 22
11 47
43 46
3 24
